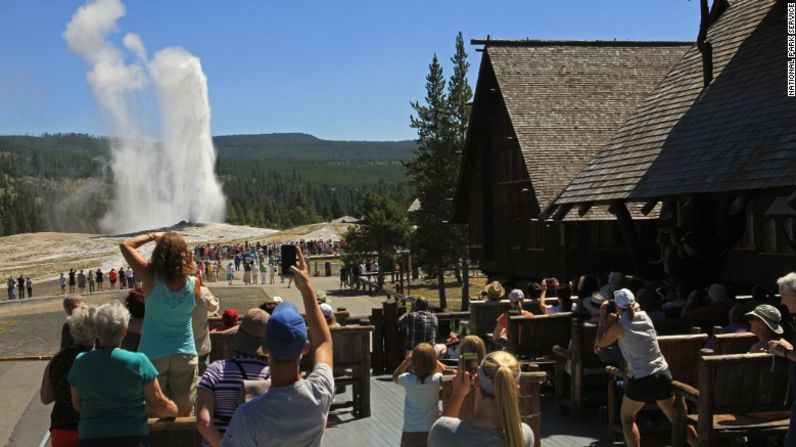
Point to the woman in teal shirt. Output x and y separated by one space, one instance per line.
170 293
111 387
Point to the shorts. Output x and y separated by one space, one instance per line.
657 386
176 374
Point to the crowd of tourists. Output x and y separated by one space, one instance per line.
18 286
626 310
123 362
219 252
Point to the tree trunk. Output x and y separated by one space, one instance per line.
443 301
465 284
380 273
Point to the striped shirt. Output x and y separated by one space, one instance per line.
223 378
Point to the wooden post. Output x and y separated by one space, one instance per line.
630 235
377 360
402 309
364 410
391 345
611 408
679 422
465 284
530 402
705 405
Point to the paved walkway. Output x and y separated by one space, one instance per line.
24 420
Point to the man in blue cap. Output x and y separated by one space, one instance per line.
294 410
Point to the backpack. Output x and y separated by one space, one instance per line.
251 388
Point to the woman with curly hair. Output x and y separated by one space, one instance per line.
170 293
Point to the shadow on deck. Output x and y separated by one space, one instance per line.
383 428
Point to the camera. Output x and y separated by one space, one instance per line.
470 362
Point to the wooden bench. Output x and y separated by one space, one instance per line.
681 352
733 343
529 397
676 326
533 338
483 315
738 395
584 363
180 432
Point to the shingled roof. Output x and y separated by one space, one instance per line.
735 134
566 98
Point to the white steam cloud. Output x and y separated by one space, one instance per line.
155 184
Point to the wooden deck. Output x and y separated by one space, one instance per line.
383 428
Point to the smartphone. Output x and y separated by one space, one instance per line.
551 282
288 256
470 362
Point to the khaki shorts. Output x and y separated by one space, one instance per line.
176 374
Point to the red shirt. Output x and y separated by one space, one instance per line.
503 319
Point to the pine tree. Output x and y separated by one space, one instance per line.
383 229
459 95
441 125
432 173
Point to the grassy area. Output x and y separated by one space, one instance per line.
453 292
7 324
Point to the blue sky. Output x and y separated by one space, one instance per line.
339 69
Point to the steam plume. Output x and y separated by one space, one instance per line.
155 184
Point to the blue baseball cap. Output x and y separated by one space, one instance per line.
286 332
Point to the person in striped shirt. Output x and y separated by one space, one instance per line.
219 390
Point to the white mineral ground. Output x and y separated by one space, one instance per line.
42 256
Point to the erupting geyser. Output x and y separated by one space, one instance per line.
159 179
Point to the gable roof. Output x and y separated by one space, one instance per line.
566 98
735 134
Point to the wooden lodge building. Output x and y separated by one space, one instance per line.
541 111
715 144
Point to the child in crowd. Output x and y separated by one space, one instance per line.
422 385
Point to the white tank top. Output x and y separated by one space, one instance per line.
639 346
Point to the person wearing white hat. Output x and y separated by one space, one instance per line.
648 376
328 314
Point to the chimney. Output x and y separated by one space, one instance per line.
708 17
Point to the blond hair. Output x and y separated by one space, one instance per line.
424 361
473 343
502 369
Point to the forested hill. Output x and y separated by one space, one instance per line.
272 146
299 146
61 182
